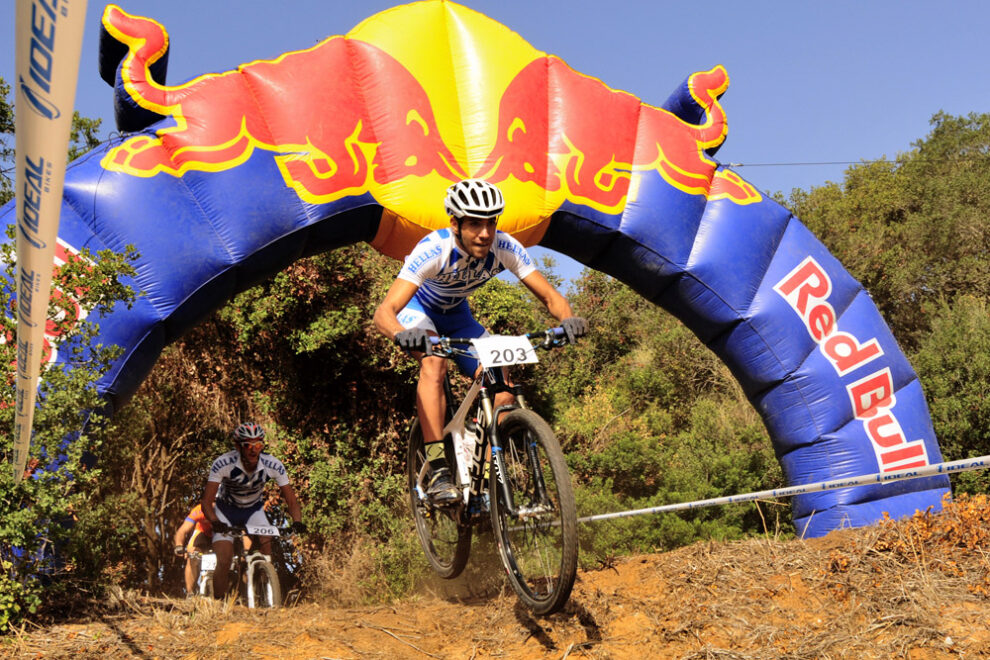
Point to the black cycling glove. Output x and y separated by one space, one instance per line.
220 527
180 551
574 327
299 527
413 339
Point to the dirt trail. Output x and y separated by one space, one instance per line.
912 590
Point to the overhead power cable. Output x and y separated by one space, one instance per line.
957 159
826 162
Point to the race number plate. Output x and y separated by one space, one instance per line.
261 530
501 351
209 562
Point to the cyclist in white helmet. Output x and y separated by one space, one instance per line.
235 496
429 297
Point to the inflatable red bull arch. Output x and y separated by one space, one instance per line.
226 179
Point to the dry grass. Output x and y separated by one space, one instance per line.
914 589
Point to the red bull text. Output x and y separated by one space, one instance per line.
807 289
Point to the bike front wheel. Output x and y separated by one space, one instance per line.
533 512
205 584
446 543
263 589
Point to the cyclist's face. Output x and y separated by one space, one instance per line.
250 450
476 235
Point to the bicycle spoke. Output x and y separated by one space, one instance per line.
446 543
537 547
537 530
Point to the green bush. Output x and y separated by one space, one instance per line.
18 598
37 514
953 363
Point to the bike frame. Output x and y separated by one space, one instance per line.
484 388
526 492
250 560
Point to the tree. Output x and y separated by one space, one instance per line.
953 362
916 230
37 513
6 144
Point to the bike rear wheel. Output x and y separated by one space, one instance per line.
263 589
538 544
445 542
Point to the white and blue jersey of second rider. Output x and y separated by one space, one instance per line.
240 488
240 498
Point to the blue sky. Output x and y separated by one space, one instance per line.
811 82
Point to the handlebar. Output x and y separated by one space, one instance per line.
444 346
257 530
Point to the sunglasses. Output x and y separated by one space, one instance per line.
247 444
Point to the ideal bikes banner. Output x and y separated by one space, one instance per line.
49 41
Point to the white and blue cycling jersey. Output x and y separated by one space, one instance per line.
243 489
446 275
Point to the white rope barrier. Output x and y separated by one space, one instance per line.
965 465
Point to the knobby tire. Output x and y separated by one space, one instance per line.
539 550
265 590
445 542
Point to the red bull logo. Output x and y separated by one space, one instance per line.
607 136
345 117
807 289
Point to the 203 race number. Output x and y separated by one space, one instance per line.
501 351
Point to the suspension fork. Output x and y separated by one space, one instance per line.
539 484
534 458
488 424
499 459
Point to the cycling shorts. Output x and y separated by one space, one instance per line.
456 322
238 517
198 542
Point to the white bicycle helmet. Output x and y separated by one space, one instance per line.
248 431
475 198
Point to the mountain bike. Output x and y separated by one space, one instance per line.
509 466
252 574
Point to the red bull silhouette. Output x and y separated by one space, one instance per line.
323 134
594 158
328 145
